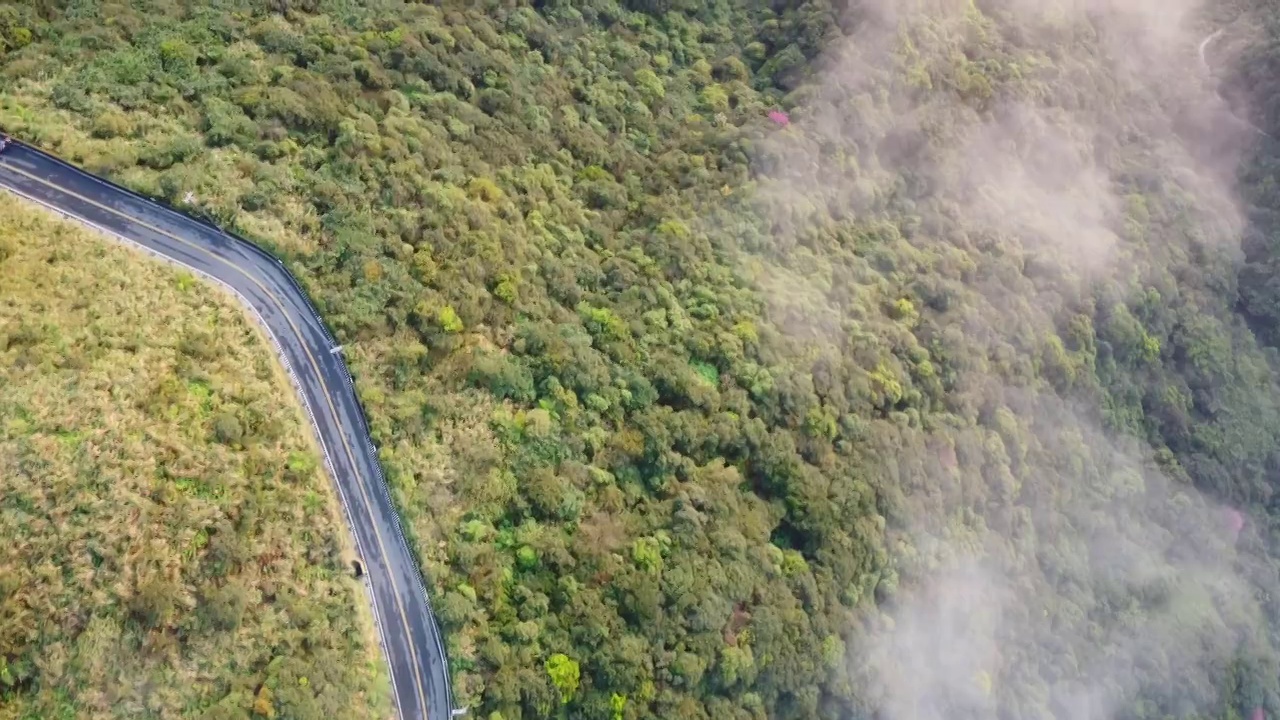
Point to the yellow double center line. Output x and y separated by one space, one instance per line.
413 651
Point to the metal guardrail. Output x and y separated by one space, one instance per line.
361 413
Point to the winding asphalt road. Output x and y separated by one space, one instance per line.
410 636
1208 71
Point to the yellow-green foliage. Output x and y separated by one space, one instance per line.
596 297
168 544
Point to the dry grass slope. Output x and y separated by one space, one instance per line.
169 546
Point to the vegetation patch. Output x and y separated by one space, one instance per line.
800 359
146 570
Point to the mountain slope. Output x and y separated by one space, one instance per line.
933 374
170 545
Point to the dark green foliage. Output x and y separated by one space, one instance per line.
681 405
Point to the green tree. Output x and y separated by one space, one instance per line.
564 675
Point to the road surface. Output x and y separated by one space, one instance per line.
406 626
1204 46
1208 71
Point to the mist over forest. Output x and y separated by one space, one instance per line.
1054 567
862 360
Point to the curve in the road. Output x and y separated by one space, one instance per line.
1208 71
1204 46
409 634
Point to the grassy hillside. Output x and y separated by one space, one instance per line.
745 360
168 547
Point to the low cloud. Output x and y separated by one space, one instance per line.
1045 163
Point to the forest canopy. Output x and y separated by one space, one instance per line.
745 360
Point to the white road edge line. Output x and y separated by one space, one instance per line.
418 573
297 386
